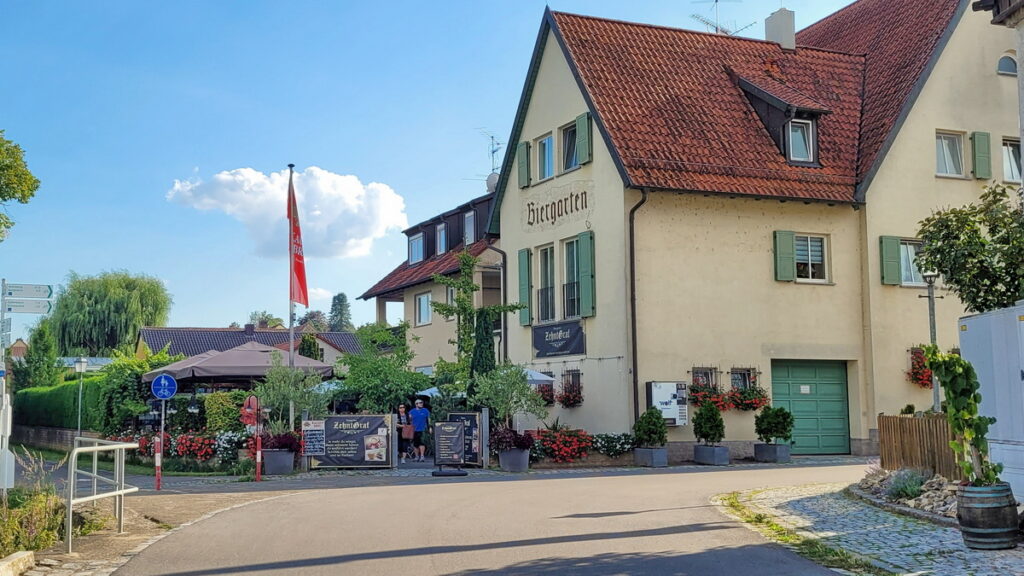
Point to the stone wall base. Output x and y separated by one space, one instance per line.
62 439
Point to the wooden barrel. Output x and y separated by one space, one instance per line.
987 516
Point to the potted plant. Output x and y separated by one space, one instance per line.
771 425
279 448
507 393
986 508
651 435
709 428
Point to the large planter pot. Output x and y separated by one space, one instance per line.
514 460
711 455
278 461
771 453
651 457
987 516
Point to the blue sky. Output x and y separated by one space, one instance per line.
160 130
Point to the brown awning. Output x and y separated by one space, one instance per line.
248 361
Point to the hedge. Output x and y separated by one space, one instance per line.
57 406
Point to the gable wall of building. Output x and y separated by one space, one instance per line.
962 95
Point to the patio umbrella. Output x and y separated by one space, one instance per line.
246 362
533 377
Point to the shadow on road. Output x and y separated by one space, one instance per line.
455 549
628 512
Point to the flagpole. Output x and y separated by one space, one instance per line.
291 302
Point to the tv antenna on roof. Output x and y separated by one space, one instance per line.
493 149
715 24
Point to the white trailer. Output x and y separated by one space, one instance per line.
993 343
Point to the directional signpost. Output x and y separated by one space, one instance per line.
164 387
14 299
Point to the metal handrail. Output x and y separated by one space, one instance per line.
120 488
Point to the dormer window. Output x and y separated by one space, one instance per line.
801 140
469 229
416 248
442 238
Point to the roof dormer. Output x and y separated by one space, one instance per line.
790 117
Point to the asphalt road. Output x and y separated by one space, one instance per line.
658 524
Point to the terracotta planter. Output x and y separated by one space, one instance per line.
514 460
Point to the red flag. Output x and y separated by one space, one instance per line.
299 294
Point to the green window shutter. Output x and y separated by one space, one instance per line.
981 144
890 259
785 256
525 288
583 154
586 264
523 159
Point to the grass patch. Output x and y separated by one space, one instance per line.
85 463
810 548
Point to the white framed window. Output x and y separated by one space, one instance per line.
704 376
569 158
571 285
801 140
1011 160
416 248
1007 66
423 312
743 378
442 238
449 299
468 228
546 291
545 157
909 274
811 262
949 154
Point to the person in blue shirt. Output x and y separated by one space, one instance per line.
420 417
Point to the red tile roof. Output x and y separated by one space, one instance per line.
678 120
407 275
899 38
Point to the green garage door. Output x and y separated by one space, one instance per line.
815 392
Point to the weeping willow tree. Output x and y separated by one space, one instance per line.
95 315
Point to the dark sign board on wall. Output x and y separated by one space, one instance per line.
356 441
562 339
314 440
449 444
471 424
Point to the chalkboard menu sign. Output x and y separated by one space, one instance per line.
313 438
449 443
356 441
471 424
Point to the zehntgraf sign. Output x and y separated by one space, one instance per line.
356 441
560 339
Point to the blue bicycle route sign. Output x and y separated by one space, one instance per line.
164 387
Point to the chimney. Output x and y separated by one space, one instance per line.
250 328
264 325
780 28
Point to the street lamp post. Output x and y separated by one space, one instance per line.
929 279
80 365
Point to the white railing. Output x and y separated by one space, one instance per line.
94 446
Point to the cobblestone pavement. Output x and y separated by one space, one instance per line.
898 543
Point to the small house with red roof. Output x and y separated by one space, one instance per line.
687 209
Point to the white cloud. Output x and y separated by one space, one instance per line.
319 293
340 216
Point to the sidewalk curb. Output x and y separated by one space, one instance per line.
855 492
17 563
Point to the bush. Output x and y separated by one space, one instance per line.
613 445
564 446
650 429
708 426
57 406
774 423
908 410
507 439
905 484
222 411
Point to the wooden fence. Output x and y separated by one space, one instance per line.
917 442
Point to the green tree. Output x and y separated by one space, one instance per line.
262 317
315 318
341 314
94 315
379 373
40 367
483 349
124 395
506 392
309 348
283 385
465 314
979 249
16 181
